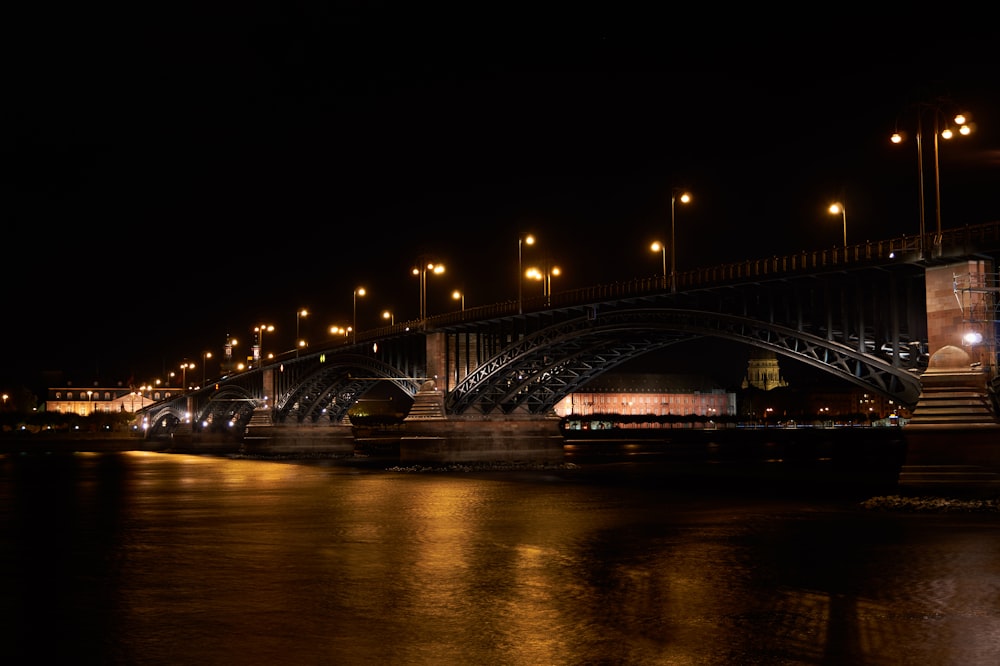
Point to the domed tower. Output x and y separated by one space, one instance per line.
763 371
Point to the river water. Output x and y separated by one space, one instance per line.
152 558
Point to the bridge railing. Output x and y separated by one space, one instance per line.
909 249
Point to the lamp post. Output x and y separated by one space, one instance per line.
684 198
526 239
90 402
421 272
204 365
259 349
839 209
545 278
184 368
298 315
359 291
657 246
388 316
459 296
964 129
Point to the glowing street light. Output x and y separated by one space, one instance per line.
388 316
840 209
684 198
204 364
459 296
657 246
298 341
526 239
360 291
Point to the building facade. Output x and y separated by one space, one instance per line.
642 394
95 399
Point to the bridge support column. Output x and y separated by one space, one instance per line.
953 439
431 436
436 356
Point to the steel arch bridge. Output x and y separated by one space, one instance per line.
858 313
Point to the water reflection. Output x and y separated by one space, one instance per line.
166 559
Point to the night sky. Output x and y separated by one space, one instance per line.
176 178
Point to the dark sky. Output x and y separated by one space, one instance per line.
177 177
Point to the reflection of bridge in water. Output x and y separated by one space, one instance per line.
870 314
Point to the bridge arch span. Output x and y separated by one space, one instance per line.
537 371
334 387
228 409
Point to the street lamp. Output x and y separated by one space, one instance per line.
964 128
545 278
90 402
204 364
391 318
437 269
657 246
360 291
685 198
526 239
184 368
840 209
459 296
259 348
298 315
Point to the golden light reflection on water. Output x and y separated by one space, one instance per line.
187 559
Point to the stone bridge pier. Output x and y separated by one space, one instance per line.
953 439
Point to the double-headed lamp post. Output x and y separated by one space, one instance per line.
545 278
259 330
839 209
525 239
359 291
684 197
184 368
421 272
